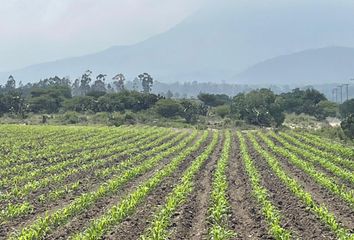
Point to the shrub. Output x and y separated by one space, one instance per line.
348 126
168 108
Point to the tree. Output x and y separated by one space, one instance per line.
10 84
346 108
326 109
48 99
80 104
118 82
258 107
348 126
13 102
190 111
222 110
136 84
75 88
85 82
146 82
214 100
303 101
169 94
168 108
99 85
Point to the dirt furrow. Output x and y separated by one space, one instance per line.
246 218
296 216
190 220
80 222
343 212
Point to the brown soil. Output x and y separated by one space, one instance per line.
190 220
135 225
246 216
81 221
88 182
343 212
296 216
319 167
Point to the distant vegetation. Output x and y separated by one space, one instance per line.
117 105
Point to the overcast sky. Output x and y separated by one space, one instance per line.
35 31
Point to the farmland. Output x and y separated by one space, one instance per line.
142 182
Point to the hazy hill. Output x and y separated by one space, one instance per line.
220 41
326 65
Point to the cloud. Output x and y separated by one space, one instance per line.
41 30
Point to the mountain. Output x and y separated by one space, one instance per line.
314 66
221 40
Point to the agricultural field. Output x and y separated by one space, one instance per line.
142 182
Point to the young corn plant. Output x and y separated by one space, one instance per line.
117 213
320 211
340 190
269 211
331 152
43 225
346 153
161 220
219 209
314 155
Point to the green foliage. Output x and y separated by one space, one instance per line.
49 99
348 126
293 185
72 118
327 109
219 210
168 108
259 107
214 100
159 226
269 211
305 101
190 111
146 82
95 93
79 104
13 102
112 102
346 108
222 111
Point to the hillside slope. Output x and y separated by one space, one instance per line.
324 65
221 40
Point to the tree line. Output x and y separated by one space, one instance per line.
90 94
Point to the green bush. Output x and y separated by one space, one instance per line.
168 108
72 118
348 126
100 118
222 111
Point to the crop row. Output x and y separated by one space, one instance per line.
24 175
57 152
127 205
144 151
313 156
43 225
319 210
162 218
23 143
54 194
326 144
219 209
329 155
269 211
21 191
340 190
